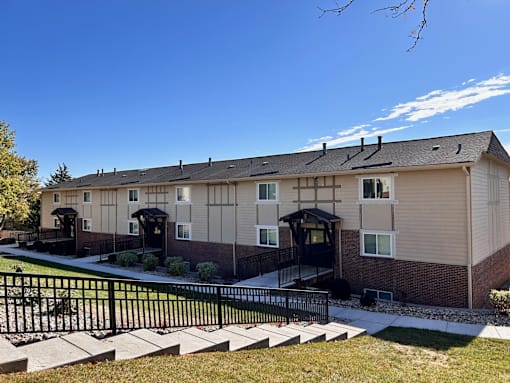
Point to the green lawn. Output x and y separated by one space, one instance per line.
394 355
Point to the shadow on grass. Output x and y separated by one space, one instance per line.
424 338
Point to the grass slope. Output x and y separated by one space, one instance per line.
394 355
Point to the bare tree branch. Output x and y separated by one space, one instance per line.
395 10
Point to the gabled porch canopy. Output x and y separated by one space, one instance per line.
152 212
63 211
311 215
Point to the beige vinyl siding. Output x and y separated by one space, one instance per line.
267 214
246 213
377 216
47 207
430 216
490 209
108 208
348 209
199 212
288 194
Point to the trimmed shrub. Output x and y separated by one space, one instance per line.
367 300
175 266
500 301
127 258
150 261
206 271
7 241
340 289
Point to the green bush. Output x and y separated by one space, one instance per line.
7 241
206 271
175 266
500 301
127 258
150 261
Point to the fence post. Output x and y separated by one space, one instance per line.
287 307
111 306
327 308
218 302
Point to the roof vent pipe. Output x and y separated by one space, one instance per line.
379 142
114 171
210 161
459 148
362 143
180 164
102 172
97 173
324 148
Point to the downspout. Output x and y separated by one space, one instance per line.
470 237
234 255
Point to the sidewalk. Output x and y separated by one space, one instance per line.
373 322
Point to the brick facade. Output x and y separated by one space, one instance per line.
491 273
88 236
220 253
414 282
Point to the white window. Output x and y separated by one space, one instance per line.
267 191
377 244
133 228
183 231
133 196
267 236
87 197
56 198
376 188
379 294
87 224
56 223
183 194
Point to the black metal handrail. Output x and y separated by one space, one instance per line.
298 267
264 263
42 303
107 246
40 235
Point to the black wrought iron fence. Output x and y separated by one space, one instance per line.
263 263
107 246
41 235
32 303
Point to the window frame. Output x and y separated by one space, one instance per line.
378 294
134 222
56 201
183 202
391 234
267 200
137 196
90 196
268 227
376 199
89 220
177 224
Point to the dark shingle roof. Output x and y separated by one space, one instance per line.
448 150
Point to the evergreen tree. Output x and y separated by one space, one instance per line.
61 175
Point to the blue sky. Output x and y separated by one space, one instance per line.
136 84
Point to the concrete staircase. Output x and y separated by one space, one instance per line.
82 348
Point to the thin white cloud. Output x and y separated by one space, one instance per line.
468 81
502 130
352 130
441 101
320 139
353 137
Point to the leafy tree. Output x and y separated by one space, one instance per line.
61 175
394 9
18 179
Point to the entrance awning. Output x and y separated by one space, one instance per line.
63 211
311 215
149 213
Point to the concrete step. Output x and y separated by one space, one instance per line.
69 349
190 344
305 337
11 359
331 333
222 344
275 339
352 331
242 340
138 343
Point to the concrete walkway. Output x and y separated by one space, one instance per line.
373 322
